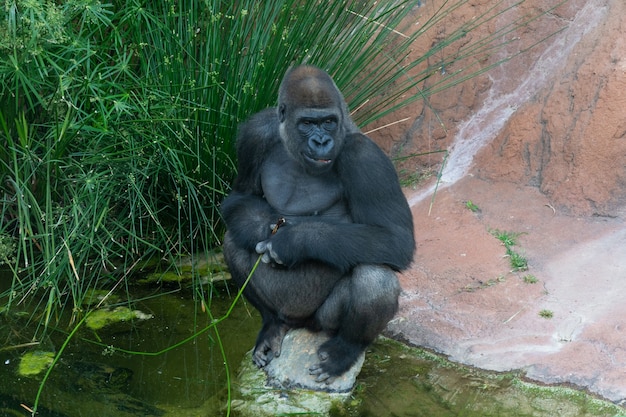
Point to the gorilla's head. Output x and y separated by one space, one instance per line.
313 117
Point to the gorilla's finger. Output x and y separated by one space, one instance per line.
277 345
273 254
325 378
261 247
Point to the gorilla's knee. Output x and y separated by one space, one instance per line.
366 298
331 313
378 290
375 284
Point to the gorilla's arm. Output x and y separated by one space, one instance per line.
382 228
246 213
248 218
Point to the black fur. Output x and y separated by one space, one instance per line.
348 226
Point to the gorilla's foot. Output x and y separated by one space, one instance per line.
269 343
336 356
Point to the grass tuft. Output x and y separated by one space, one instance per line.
530 279
509 239
546 314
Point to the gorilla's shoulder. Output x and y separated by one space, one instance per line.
260 126
361 147
255 138
361 161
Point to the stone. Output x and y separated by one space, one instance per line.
299 352
285 387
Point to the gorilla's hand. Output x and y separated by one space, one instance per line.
265 248
269 254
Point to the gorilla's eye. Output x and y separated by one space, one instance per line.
330 124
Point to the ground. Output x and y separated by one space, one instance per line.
461 298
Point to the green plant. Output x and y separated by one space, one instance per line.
471 206
546 314
484 284
518 261
530 279
509 239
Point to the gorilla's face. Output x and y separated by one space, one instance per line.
312 136
313 118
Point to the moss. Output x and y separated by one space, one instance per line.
33 363
401 380
560 394
253 397
206 268
99 318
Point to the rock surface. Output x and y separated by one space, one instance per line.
299 352
569 139
552 117
539 145
284 386
461 298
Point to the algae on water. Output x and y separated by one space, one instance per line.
99 318
33 363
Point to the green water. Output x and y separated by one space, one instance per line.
94 378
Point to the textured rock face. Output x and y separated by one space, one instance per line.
570 138
553 117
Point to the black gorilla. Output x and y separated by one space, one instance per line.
322 204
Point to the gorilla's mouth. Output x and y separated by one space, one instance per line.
317 161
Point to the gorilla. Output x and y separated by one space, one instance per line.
322 205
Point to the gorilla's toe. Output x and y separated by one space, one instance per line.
262 355
320 374
269 344
336 357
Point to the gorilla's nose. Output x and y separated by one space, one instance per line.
321 145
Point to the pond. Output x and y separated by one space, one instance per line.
140 367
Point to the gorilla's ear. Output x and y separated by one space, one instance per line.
281 113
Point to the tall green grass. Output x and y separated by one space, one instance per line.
117 119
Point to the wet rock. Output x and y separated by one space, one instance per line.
285 387
299 352
205 267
